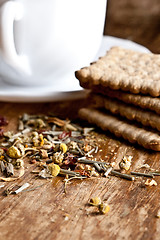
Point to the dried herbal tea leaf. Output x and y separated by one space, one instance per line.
45 173
93 173
43 153
56 121
9 170
10 179
125 163
69 127
58 157
37 123
3 167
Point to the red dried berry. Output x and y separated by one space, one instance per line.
70 161
64 135
83 173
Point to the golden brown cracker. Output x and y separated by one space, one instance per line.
147 118
143 101
124 69
120 128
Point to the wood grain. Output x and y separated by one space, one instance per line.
50 213
136 20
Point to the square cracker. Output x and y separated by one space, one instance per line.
124 69
130 112
121 128
142 101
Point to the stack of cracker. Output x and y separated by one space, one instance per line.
125 90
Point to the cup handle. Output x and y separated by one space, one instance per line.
11 11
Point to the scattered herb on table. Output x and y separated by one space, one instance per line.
56 147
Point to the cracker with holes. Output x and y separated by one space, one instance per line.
123 69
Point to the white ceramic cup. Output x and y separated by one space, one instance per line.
44 40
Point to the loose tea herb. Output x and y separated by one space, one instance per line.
54 169
95 201
125 163
57 148
104 208
53 142
150 182
122 175
10 179
142 174
24 186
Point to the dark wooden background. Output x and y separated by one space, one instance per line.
137 20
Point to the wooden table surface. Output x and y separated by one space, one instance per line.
41 214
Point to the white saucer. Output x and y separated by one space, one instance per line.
71 90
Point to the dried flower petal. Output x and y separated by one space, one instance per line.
54 169
63 147
73 145
113 164
47 145
41 140
83 173
87 148
14 152
104 208
150 182
58 157
1 151
70 161
95 201
21 148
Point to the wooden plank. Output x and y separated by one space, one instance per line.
135 20
50 213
